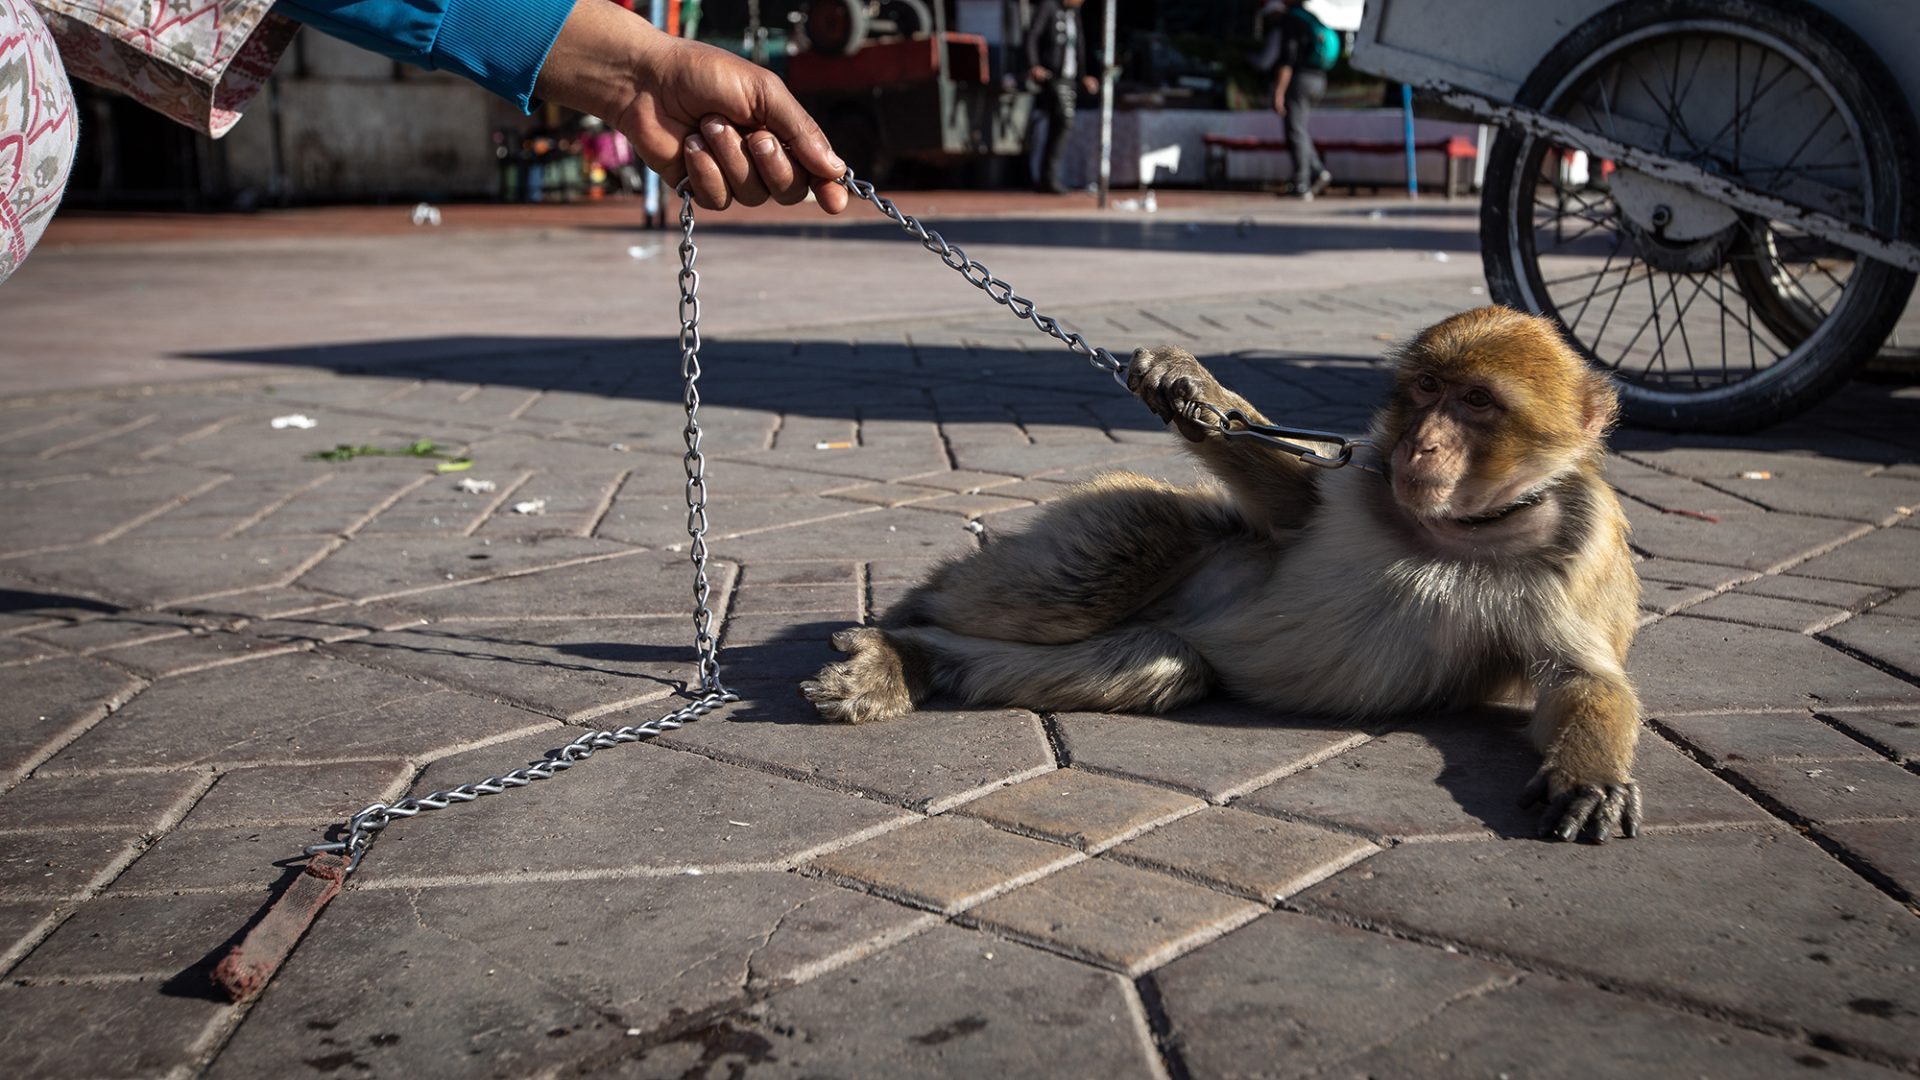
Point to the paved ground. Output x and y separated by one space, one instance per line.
213 647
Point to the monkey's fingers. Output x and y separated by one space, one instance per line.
1535 791
1585 802
1601 825
844 639
1630 817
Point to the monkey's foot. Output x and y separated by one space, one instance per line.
1588 812
871 684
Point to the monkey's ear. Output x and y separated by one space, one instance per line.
1600 407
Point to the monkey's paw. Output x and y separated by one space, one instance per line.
870 684
1580 811
1168 381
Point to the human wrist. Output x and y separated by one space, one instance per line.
602 60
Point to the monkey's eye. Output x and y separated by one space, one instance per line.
1428 384
1478 399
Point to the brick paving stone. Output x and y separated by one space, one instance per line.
573 668
1667 597
1832 489
1116 916
393 996
1886 557
20 650
155 574
149 937
635 807
1707 576
63 862
299 707
192 652
51 702
1761 924
1890 641
1765 737
1215 749
126 800
1679 665
866 534
965 482
1245 854
283 794
380 566
777 650
77 513
1768 611
1461 776
1835 594
649 583
1287 995
888 495
1899 732
1080 809
823 572
337 623
20 923
116 631
1890 847
272 602
1753 538
949 1002
228 858
104 1031
1822 791
928 761
840 598
944 863
1542 1027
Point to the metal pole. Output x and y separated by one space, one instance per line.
650 206
1106 103
1413 167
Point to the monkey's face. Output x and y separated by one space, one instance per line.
1489 409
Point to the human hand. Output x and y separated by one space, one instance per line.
693 112
1092 84
1039 74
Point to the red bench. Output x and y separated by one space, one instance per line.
1456 148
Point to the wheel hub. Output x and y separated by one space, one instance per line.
1673 229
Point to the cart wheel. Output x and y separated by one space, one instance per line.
1710 318
909 17
837 27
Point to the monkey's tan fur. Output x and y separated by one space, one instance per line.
1493 562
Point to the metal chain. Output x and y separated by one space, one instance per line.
1231 423
361 829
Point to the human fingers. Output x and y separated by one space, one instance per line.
830 195
779 113
784 182
703 173
730 154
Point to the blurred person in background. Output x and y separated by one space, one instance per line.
1056 49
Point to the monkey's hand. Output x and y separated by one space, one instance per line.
1579 810
1168 381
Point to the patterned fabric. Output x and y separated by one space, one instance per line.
38 130
197 61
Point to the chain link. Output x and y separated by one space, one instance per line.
360 830
982 278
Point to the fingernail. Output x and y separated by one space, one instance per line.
834 160
763 147
696 144
715 127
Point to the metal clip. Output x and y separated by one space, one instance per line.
1236 424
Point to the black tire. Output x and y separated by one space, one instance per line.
909 17
1815 348
837 27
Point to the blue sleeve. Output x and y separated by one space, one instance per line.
500 44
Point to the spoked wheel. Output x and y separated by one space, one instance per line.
1711 318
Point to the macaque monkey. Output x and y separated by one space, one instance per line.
1490 561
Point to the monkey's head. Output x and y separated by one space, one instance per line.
1489 410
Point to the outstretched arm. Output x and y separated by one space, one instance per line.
1271 486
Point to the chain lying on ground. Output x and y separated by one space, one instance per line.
360 830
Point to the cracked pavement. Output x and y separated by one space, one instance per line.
214 647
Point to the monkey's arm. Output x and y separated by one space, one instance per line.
1585 724
1270 485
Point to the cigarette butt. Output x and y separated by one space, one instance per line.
1756 474
833 446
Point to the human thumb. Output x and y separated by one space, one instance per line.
783 116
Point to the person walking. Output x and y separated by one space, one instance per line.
1056 49
1299 50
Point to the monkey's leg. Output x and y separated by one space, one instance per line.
1087 564
1586 725
1272 487
1135 668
